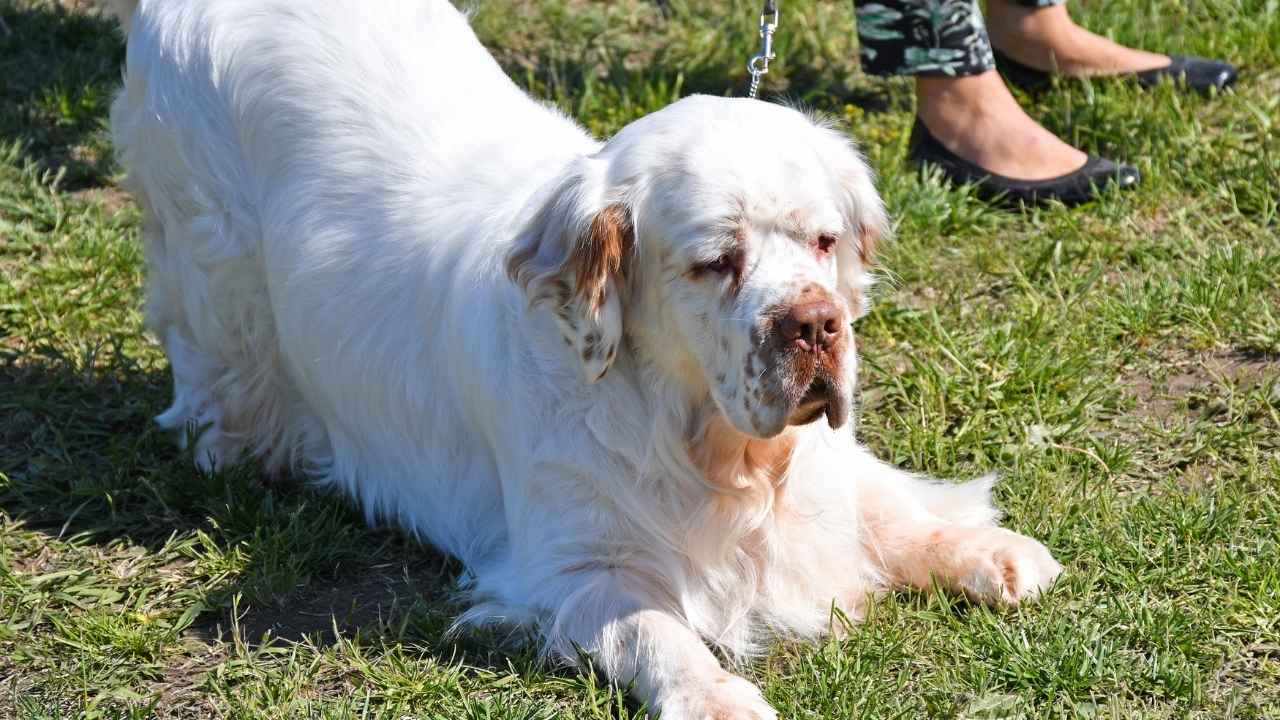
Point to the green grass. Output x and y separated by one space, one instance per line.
1118 363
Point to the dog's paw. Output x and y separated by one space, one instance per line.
727 697
998 566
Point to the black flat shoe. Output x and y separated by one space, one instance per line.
1073 188
1021 76
1196 73
1200 74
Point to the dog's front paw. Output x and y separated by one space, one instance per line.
998 566
726 697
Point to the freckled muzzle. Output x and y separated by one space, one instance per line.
804 356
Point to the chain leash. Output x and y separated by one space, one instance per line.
758 66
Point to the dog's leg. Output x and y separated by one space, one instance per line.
194 408
661 658
920 532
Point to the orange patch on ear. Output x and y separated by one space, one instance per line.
867 239
599 254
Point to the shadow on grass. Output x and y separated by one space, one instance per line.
81 460
58 71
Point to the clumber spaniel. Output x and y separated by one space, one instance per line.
594 372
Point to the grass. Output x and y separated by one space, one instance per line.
1118 363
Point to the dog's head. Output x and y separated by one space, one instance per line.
731 239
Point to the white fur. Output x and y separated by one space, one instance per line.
339 197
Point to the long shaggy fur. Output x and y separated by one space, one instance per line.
376 261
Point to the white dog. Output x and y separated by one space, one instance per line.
591 371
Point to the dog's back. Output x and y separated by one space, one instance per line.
318 175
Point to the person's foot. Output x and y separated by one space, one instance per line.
1047 39
972 129
1075 187
977 118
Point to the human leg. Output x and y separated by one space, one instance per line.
1036 38
1043 36
962 103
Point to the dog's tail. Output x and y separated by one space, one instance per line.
122 10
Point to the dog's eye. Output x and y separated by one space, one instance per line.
720 266
827 242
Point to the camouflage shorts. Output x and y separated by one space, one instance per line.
926 37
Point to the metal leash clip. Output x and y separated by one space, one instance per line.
758 66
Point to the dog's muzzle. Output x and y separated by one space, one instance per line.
809 342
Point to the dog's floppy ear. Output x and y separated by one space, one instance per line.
571 257
866 224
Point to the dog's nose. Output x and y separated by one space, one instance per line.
812 324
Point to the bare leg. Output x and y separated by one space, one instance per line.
977 118
1046 38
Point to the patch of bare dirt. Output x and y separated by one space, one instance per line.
915 297
1193 384
368 598
110 198
81 6
1247 682
24 564
1184 404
